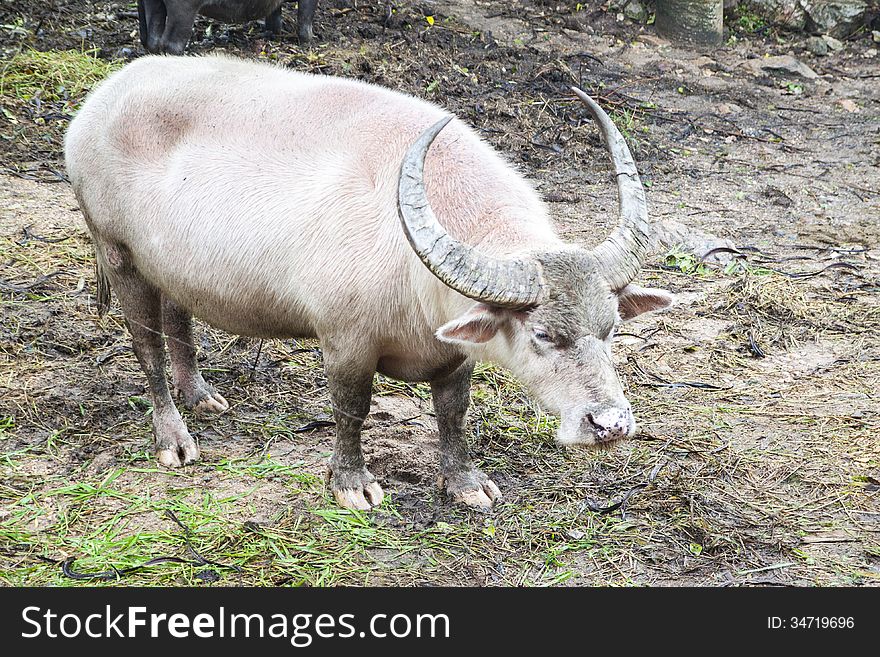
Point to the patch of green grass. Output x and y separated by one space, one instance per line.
685 262
740 267
55 75
626 120
748 20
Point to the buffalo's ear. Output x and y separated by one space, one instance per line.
633 300
478 325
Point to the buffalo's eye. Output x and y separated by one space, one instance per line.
541 335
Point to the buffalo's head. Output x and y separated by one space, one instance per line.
550 316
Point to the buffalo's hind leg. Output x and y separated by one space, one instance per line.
195 392
305 18
142 305
464 483
350 382
274 23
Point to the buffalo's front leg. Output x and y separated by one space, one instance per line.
464 483
151 23
178 26
350 382
305 17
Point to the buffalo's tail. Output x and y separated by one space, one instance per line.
103 299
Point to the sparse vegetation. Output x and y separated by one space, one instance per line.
53 76
685 262
747 20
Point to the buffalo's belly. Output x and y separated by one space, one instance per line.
233 306
238 11
250 320
417 370
424 359
240 295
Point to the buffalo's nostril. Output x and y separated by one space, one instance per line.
593 423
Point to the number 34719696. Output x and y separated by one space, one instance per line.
811 623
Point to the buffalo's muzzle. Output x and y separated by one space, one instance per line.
611 424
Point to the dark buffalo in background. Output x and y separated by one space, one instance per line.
166 25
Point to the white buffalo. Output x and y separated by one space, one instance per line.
276 204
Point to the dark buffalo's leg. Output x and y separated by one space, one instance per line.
273 22
350 382
188 382
178 26
142 22
151 23
463 481
141 303
305 17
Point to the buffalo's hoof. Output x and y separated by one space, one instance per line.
199 396
175 447
213 403
355 489
305 36
362 499
471 488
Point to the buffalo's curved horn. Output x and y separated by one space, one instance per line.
623 252
508 283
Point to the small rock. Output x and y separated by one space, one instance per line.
875 34
561 197
778 197
870 53
635 11
781 64
817 46
208 576
703 61
728 108
848 105
831 42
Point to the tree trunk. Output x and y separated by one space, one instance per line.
698 22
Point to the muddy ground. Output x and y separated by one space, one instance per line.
758 461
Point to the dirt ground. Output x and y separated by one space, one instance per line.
758 461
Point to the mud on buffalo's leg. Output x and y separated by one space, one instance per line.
196 393
142 305
350 382
178 27
273 22
151 23
305 16
464 483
